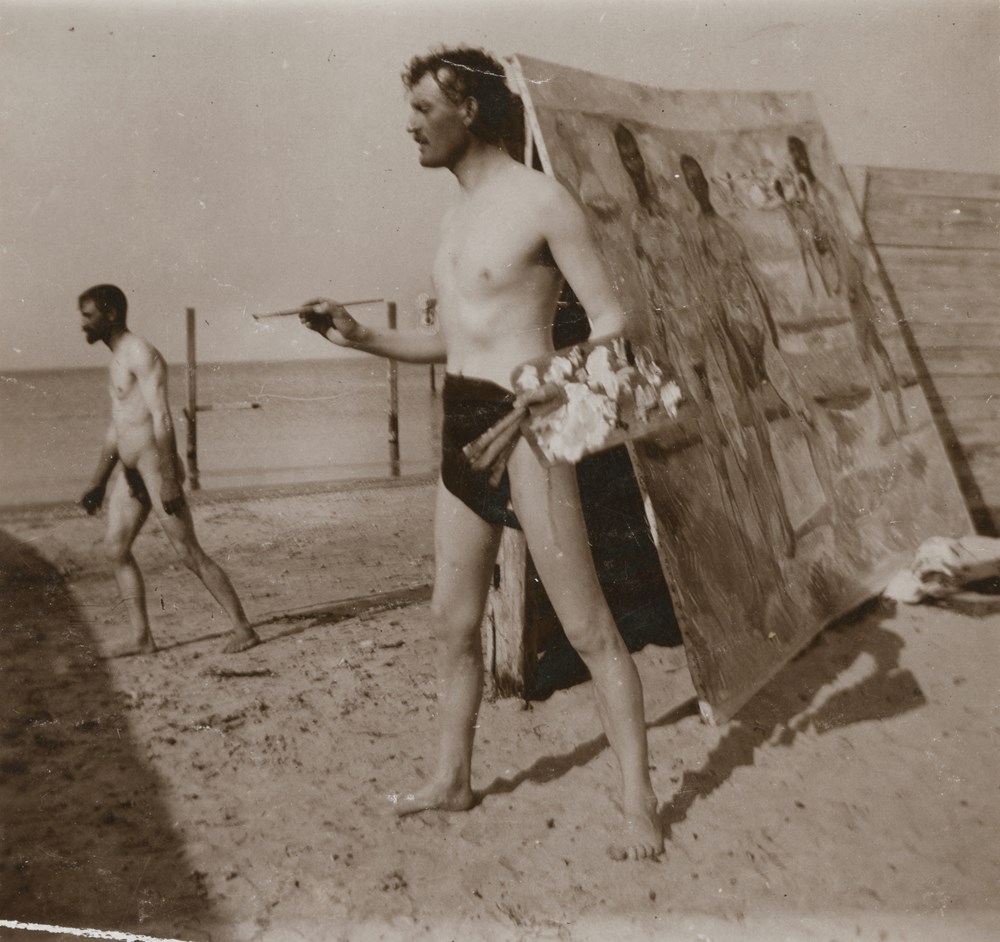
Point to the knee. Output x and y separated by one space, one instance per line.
117 550
189 558
457 628
594 634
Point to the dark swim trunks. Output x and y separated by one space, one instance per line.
471 406
137 486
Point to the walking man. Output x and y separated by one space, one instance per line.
141 440
505 248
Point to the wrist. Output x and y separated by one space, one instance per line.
360 337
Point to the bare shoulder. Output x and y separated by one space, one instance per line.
545 194
140 355
540 185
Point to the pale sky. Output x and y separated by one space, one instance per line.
238 157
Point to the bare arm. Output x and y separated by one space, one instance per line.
94 495
151 376
332 322
573 248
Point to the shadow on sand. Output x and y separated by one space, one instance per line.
788 706
87 840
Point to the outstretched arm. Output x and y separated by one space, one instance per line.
151 375
93 497
573 248
332 322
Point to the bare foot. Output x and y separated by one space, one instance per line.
132 648
433 797
241 641
641 836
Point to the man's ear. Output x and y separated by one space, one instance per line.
470 111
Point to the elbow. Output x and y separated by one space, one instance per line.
607 324
163 428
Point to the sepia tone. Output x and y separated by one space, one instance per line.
732 237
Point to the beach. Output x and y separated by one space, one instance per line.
258 423
199 796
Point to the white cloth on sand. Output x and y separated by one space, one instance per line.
942 567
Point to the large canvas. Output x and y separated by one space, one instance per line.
816 469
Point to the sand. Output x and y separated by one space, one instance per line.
200 796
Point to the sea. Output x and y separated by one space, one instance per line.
257 423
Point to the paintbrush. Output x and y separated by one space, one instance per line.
309 309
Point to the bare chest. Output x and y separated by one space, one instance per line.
487 250
123 386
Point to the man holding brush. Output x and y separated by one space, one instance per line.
505 249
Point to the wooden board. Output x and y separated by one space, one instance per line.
934 183
938 265
774 521
946 296
951 221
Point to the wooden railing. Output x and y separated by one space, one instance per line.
193 407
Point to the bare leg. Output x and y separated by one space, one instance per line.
179 528
548 505
126 515
465 552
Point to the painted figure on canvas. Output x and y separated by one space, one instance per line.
584 179
848 280
673 282
746 357
789 347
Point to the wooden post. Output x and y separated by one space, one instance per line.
507 646
428 308
393 400
191 410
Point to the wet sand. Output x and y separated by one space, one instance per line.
200 796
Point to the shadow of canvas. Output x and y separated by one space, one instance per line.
87 841
792 703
